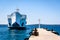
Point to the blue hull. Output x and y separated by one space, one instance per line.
17 28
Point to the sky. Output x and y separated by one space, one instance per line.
48 11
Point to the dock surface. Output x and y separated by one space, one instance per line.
44 35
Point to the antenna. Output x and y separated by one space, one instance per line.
17 9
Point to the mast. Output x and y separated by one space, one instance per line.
17 10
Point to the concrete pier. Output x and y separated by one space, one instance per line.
44 35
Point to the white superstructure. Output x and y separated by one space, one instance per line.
16 18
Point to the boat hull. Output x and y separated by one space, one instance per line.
17 28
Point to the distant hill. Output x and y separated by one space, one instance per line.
3 25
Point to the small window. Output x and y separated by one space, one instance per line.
22 24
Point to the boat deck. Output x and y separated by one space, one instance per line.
44 35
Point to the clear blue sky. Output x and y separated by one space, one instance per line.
48 11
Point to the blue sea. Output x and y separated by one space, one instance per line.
6 34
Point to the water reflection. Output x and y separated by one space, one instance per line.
14 35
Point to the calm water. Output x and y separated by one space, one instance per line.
6 34
50 27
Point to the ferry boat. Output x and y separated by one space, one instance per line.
17 21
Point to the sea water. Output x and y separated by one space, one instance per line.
6 34
55 28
